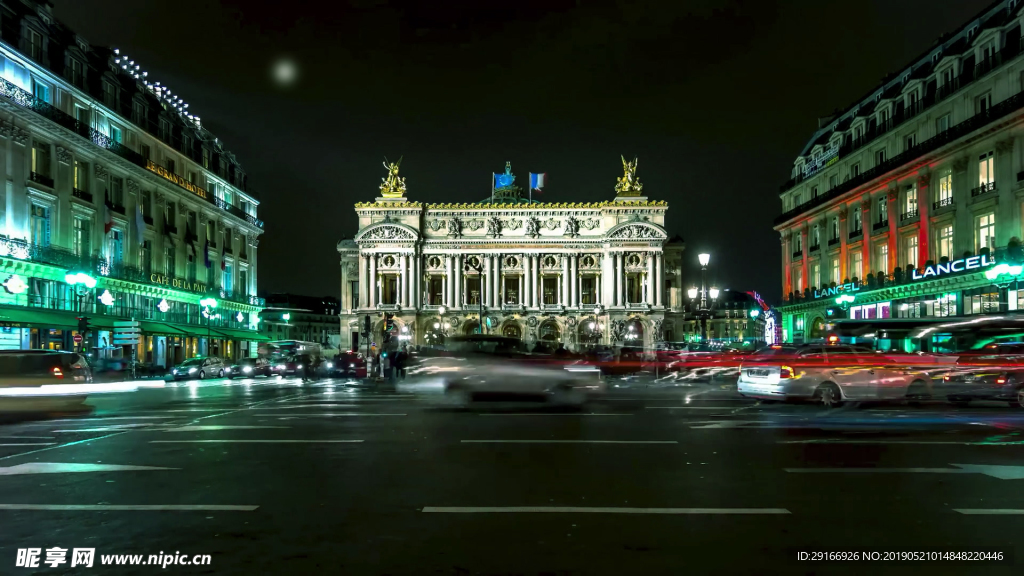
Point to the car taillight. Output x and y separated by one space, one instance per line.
1001 380
58 373
946 377
785 372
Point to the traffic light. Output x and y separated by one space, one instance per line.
389 322
366 325
83 324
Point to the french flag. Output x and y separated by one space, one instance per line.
108 219
537 181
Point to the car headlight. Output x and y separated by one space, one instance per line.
352 365
192 370
299 367
330 364
247 369
175 371
280 366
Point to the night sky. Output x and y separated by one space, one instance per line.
716 98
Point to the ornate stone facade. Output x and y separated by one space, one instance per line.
546 273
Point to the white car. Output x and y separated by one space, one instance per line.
485 368
831 374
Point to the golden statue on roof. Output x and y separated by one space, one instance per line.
628 184
393 186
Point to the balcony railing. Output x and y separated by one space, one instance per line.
27 100
228 250
942 202
910 215
41 179
983 189
147 220
81 194
880 224
1008 106
833 242
815 247
119 208
798 253
856 233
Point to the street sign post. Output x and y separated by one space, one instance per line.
127 333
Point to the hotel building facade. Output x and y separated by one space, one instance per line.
110 177
905 205
575 274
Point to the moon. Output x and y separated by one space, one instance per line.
284 71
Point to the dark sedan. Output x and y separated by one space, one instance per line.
993 373
250 368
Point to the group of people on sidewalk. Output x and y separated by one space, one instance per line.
390 364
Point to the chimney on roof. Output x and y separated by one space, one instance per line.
824 120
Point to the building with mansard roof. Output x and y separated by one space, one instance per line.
901 207
110 175
577 274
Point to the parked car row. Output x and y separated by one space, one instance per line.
835 373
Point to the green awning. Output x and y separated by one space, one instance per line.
160 329
37 317
244 335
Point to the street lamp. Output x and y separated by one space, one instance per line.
209 305
82 284
704 307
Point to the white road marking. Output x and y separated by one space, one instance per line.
546 414
598 510
62 445
570 442
138 507
28 444
723 408
995 471
989 511
333 414
84 420
309 406
69 467
908 442
254 441
35 437
118 427
201 428
725 424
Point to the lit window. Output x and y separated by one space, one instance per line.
945 188
986 170
857 265
986 237
882 258
945 245
910 200
835 271
910 251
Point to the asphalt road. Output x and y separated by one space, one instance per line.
272 476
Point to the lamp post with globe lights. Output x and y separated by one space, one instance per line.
708 296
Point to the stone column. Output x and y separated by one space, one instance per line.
894 225
649 296
866 222
535 278
524 290
963 226
414 280
497 280
659 279
373 281
787 254
364 264
607 284
460 290
924 228
485 282
844 261
403 285
1007 205
620 280
805 247
448 288
564 293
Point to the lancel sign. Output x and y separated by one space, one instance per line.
197 287
836 290
961 265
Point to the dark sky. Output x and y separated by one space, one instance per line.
715 97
